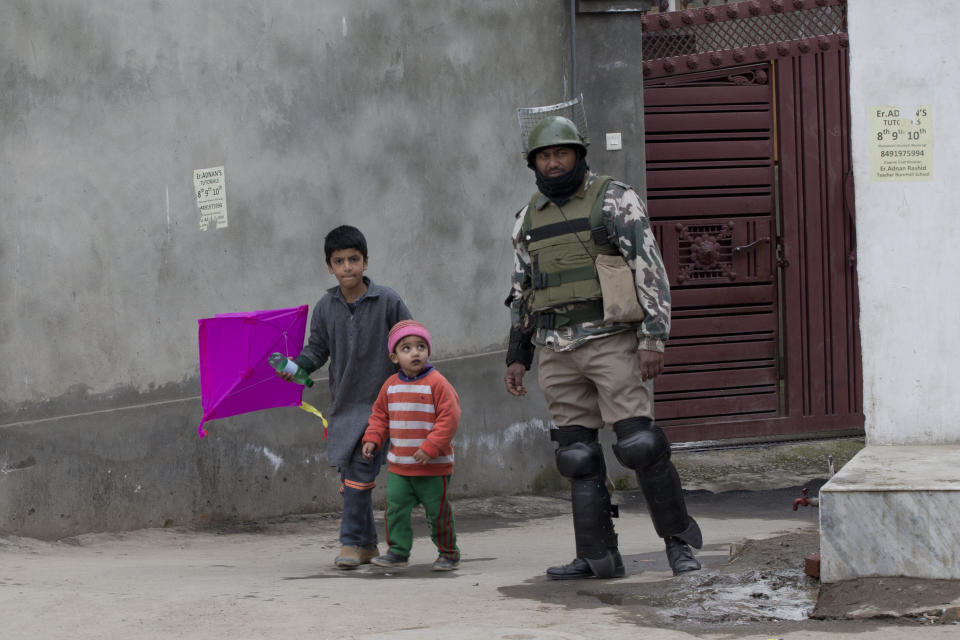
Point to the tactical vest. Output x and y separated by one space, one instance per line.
563 246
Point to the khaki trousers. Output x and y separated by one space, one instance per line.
595 384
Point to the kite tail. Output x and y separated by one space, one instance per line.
200 430
309 408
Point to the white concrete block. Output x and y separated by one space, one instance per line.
892 511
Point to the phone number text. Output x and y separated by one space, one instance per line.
902 153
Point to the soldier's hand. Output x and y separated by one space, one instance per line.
651 364
514 379
286 376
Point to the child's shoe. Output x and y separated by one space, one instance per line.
443 563
368 552
390 560
348 558
352 556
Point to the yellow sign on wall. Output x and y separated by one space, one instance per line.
902 148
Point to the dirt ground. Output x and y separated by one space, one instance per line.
274 578
760 585
921 601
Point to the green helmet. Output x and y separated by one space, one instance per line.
554 131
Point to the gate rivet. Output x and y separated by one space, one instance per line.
692 62
824 43
783 49
738 55
760 52
804 46
668 66
798 4
777 6
733 11
710 15
715 59
755 7
664 20
687 17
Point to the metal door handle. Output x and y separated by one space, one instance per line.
752 244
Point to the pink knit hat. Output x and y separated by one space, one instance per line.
406 328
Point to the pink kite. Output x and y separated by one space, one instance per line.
235 376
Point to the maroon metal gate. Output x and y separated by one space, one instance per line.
750 195
710 188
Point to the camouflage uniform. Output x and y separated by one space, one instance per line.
590 375
626 218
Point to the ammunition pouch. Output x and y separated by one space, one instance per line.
590 311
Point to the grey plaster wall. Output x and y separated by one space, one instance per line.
610 76
395 116
144 467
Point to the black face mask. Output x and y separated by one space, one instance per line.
561 188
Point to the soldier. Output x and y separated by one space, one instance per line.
597 359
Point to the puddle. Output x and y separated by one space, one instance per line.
763 584
739 598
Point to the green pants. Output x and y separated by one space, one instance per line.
406 492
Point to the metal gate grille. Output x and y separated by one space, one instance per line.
752 31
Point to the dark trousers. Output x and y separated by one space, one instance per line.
357 480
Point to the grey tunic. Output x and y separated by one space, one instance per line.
356 345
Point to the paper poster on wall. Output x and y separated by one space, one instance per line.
210 186
902 147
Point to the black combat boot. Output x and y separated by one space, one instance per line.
608 566
680 556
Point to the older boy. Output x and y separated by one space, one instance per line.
349 327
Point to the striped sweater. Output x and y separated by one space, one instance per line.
419 413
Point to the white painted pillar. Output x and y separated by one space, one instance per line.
893 509
908 229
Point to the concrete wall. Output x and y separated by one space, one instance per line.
397 117
907 231
610 76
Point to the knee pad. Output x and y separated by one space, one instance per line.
580 460
565 436
640 445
